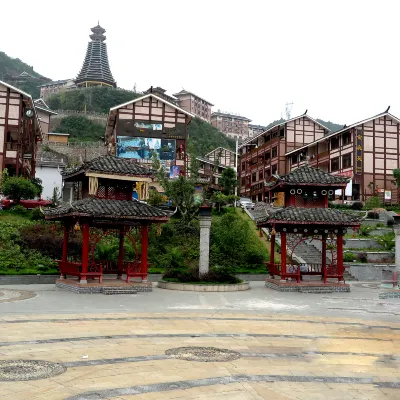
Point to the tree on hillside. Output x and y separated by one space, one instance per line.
97 99
204 137
228 181
81 129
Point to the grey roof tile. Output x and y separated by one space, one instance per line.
310 175
264 215
110 165
109 208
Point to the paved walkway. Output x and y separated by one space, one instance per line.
288 345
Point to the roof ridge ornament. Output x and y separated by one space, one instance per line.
387 110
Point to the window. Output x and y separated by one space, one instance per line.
243 166
275 152
274 169
260 175
253 177
243 181
334 143
267 156
294 158
346 161
346 138
335 164
268 172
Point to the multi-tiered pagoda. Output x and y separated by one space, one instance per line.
96 70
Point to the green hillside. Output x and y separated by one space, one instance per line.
10 68
97 99
204 137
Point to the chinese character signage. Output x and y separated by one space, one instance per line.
359 152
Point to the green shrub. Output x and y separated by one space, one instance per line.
19 188
373 202
357 205
387 240
19 210
373 215
349 257
362 257
37 215
365 230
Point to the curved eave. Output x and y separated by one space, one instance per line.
329 186
111 218
287 222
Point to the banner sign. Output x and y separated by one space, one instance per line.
388 195
147 129
359 152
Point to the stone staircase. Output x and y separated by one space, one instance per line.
311 252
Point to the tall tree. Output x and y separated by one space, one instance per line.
228 181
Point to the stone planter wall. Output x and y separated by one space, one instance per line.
380 231
362 244
375 256
204 288
370 272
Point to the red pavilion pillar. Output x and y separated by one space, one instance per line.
283 256
85 252
272 254
121 253
145 244
65 242
323 269
339 249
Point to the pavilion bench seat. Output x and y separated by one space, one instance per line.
75 269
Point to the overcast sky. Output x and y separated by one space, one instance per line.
338 59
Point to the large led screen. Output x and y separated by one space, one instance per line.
143 148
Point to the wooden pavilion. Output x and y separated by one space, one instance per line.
305 217
102 206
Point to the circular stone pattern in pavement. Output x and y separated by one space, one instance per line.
7 295
25 370
203 354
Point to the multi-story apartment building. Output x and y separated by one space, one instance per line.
233 126
20 131
366 151
47 89
211 171
254 130
194 104
44 113
222 156
264 155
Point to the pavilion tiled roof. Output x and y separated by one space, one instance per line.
308 175
295 215
108 208
110 165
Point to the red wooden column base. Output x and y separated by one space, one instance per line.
324 258
145 244
272 255
283 256
339 249
85 252
121 253
65 247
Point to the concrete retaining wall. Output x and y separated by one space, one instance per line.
370 272
375 256
362 244
51 279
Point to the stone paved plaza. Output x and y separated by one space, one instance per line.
258 344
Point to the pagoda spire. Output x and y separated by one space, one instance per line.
98 33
